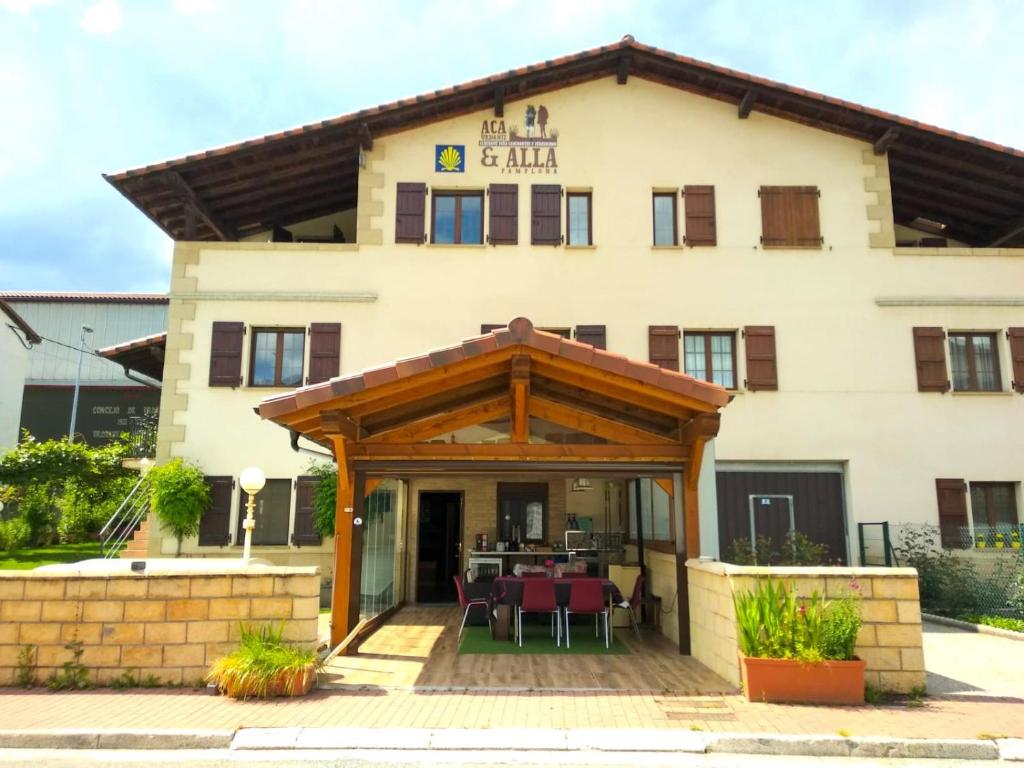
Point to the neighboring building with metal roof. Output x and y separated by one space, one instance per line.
109 401
17 342
851 277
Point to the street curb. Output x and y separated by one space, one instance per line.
981 629
624 740
515 739
115 738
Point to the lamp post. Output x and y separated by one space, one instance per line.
252 481
78 381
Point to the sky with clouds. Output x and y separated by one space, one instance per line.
95 86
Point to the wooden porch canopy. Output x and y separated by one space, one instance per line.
404 413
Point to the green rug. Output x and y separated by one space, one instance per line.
537 639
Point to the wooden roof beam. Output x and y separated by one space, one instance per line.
703 426
1015 228
623 68
886 140
365 139
222 230
335 423
746 103
519 386
439 424
499 101
592 424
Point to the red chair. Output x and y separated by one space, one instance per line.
630 605
539 597
466 604
587 596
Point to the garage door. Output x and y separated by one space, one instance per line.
812 502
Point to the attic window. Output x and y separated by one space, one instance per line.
928 225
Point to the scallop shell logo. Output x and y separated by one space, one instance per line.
450 159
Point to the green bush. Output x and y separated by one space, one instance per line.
15 534
180 496
325 497
772 622
1003 622
796 549
83 523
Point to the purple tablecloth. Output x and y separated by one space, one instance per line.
509 589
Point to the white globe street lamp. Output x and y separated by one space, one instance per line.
252 481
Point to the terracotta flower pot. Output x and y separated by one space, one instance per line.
823 682
297 683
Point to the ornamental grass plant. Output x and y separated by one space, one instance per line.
773 623
263 665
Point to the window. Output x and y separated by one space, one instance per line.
974 361
458 218
655 511
711 357
665 228
789 217
994 504
565 333
272 513
579 218
277 357
523 511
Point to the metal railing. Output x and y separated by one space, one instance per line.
126 519
142 436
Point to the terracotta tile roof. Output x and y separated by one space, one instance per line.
84 297
145 355
520 332
933 163
154 339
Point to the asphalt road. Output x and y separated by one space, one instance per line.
408 759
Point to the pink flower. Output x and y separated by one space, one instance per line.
549 563
854 584
803 610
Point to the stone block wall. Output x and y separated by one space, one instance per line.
890 638
169 625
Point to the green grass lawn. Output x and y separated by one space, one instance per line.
26 559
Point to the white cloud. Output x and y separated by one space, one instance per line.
103 18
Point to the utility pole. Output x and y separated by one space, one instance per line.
78 383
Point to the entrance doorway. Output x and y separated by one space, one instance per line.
439 546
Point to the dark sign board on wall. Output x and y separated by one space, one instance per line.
103 412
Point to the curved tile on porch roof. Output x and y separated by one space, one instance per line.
520 331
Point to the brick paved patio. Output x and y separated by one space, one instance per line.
938 717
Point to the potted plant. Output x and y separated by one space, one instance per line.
264 666
799 650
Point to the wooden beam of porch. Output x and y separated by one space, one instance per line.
593 424
424 429
520 394
335 423
222 230
342 591
661 452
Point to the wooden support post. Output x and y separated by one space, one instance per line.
355 571
520 393
682 575
622 71
341 593
177 182
499 101
690 504
886 140
191 225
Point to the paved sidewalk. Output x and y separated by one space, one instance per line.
942 717
965 663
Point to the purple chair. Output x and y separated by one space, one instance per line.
466 604
539 597
587 596
630 605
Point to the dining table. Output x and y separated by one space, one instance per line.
508 590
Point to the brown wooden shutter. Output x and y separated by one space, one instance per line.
663 345
546 214
504 214
930 357
789 217
215 524
762 367
324 352
699 204
488 327
952 495
410 210
594 335
305 495
1016 337
226 354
